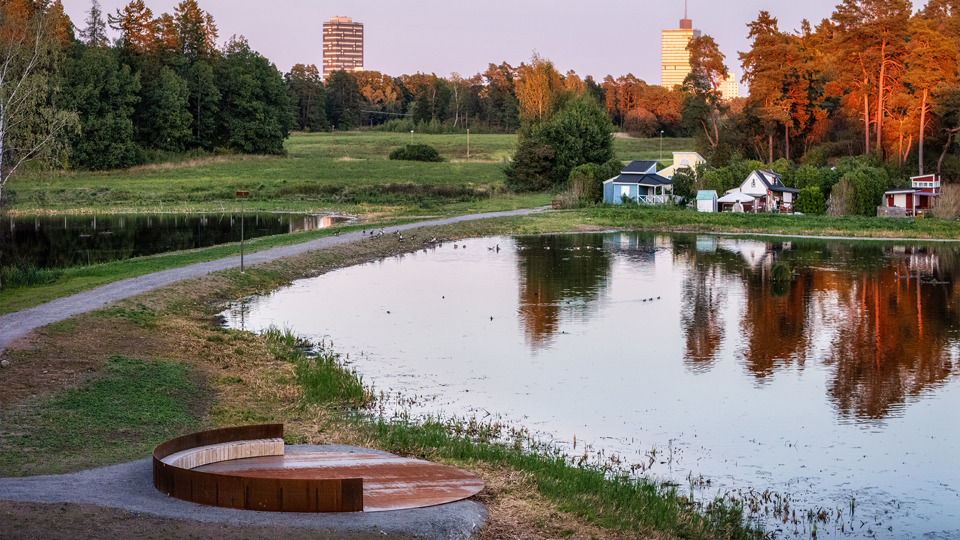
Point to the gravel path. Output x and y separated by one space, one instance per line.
20 323
129 486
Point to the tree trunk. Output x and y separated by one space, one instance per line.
770 148
946 147
866 125
880 82
900 150
786 139
923 120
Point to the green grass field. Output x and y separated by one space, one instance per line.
346 172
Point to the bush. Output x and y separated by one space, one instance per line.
531 167
811 201
841 199
416 152
948 204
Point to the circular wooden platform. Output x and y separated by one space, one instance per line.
389 482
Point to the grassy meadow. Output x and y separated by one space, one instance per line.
345 172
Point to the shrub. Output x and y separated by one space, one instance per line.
948 204
416 152
811 201
531 167
841 199
586 183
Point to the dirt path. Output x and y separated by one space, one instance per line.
18 324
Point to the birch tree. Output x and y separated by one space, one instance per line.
30 50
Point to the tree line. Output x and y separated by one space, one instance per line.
162 87
872 79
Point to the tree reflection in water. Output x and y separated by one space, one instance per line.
885 317
558 273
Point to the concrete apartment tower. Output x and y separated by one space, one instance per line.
342 45
674 58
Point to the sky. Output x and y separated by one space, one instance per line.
596 38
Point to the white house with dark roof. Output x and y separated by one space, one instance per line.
638 181
768 192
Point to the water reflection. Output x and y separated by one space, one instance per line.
64 241
883 316
558 273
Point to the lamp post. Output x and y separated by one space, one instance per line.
411 136
661 145
242 195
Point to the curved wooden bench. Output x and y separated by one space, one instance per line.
172 474
192 458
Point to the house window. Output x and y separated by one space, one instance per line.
753 183
624 191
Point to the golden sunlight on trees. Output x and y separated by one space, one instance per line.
539 86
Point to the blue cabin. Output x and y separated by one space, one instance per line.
638 181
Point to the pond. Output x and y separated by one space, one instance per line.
65 241
836 389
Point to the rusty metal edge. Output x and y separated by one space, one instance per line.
250 493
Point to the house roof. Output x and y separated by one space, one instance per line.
639 167
706 195
913 191
651 179
773 181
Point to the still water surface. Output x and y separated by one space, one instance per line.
64 241
681 354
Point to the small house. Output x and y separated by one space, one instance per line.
913 201
769 194
682 161
638 181
706 200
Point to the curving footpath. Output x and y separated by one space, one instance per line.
20 323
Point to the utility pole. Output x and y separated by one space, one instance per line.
242 195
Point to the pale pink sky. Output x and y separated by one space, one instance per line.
443 36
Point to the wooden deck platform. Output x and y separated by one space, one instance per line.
389 482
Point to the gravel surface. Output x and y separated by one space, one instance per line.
20 323
129 486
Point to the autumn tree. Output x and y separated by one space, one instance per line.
196 30
872 37
764 71
136 26
931 60
707 70
498 102
539 86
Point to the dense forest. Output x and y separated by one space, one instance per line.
874 79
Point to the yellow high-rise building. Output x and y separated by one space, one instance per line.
674 58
